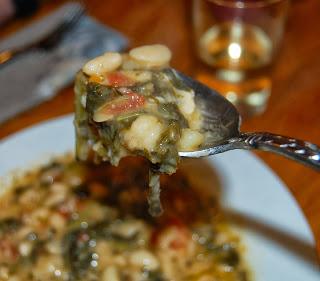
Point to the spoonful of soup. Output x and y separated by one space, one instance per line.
134 104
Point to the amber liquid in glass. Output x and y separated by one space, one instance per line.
240 55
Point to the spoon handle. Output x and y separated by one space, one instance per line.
298 150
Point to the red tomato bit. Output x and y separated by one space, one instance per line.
118 79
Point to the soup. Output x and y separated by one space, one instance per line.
76 221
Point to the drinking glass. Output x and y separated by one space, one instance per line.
239 41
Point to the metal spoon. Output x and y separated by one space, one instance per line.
221 122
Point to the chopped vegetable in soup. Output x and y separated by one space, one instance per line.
77 222
133 104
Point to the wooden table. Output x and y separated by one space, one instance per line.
295 102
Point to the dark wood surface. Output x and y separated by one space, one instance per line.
295 102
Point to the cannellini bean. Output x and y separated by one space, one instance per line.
30 197
23 232
185 102
48 267
4 273
25 248
144 259
195 120
110 274
127 229
144 133
151 55
59 188
57 221
138 75
104 251
40 214
108 62
129 64
190 140
58 193
14 278
54 247
206 278
119 260
83 101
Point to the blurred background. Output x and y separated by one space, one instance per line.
37 84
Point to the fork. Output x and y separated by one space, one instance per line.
47 42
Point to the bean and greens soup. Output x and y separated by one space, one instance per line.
75 221
78 221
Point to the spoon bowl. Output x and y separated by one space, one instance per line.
221 126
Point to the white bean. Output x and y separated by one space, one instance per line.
54 247
48 267
104 251
195 120
128 228
83 101
108 62
30 197
57 195
129 64
14 278
151 55
119 260
4 272
144 133
190 140
186 102
25 249
144 259
57 221
138 75
110 274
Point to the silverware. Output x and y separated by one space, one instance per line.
50 40
221 124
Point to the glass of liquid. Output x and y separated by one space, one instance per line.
239 41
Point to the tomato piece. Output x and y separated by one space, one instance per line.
129 102
179 243
174 235
66 208
8 251
64 212
118 79
97 190
174 238
83 237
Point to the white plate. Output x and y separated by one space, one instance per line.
278 240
